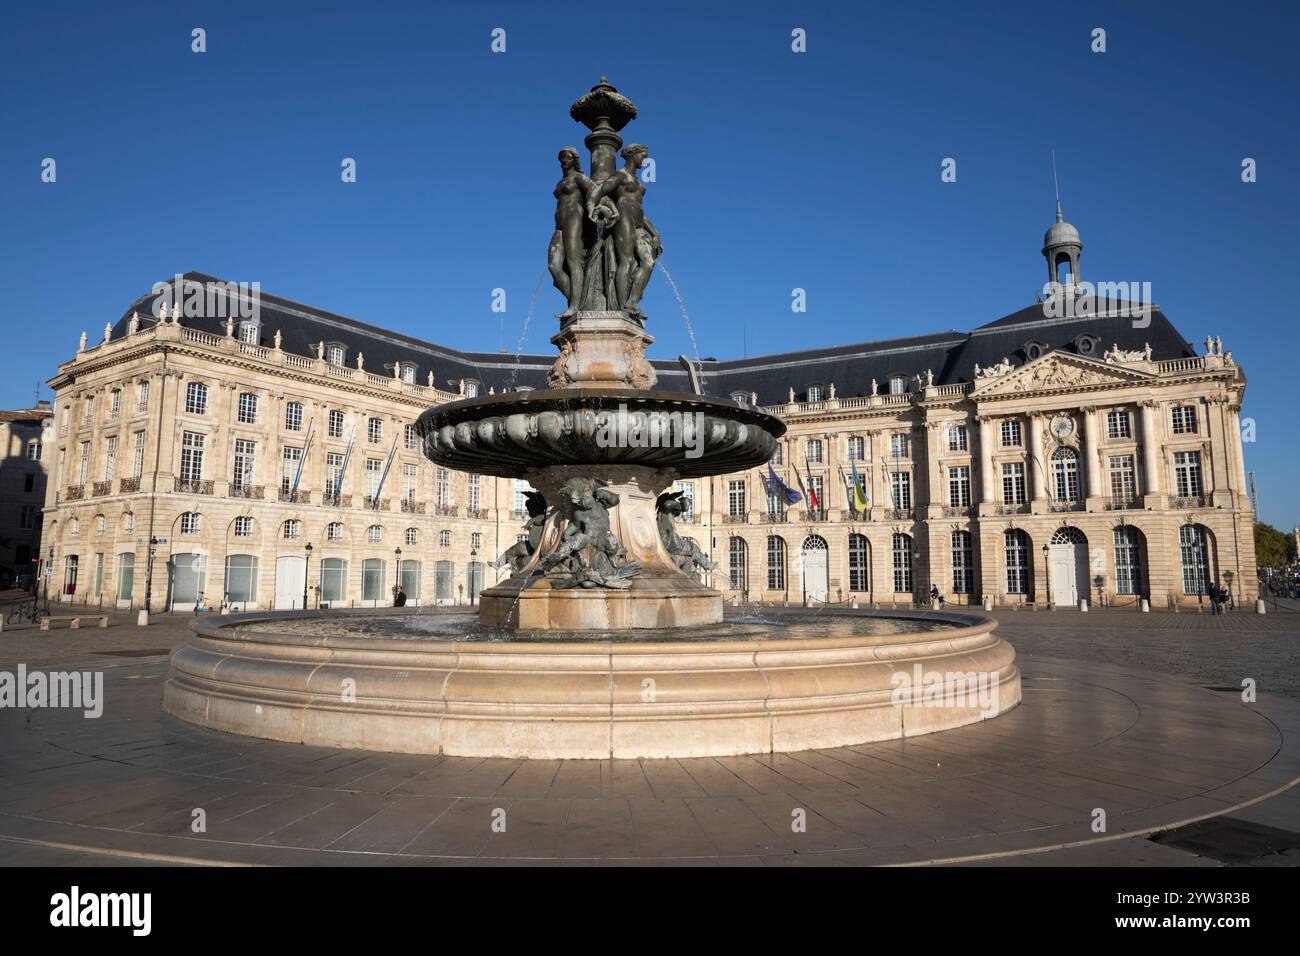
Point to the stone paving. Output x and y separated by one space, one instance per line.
1116 715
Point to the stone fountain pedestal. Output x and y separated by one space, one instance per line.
660 596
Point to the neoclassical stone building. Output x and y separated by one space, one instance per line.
269 455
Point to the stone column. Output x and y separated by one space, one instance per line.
1037 462
1091 453
1237 453
1152 480
935 498
1220 464
986 439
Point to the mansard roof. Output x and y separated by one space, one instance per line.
952 355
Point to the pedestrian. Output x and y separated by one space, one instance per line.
1214 598
399 599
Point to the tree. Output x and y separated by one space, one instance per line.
1272 547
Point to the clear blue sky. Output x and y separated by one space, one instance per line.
775 170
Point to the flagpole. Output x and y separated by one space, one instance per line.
343 465
305 445
384 474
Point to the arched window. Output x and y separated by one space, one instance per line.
1016 543
375 534
334 531
1128 560
292 529
444 539
471 388
737 561
1194 547
963 563
101 524
775 563
859 579
412 536
1065 474
334 354
902 564
243 526
408 373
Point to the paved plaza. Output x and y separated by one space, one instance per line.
1139 716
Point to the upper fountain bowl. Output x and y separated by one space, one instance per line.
513 434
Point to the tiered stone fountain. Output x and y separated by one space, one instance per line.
602 642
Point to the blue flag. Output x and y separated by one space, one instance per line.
791 497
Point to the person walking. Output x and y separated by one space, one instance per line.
399 598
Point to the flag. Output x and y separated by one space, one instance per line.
812 495
791 497
859 495
297 473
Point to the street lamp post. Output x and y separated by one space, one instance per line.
148 578
305 574
397 586
1047 579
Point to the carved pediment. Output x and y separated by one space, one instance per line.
1058 371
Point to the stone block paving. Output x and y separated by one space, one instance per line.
1116 715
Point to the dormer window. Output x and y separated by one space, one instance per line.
740 398
471 388
249 332
897 384
335 353
816 393
408 373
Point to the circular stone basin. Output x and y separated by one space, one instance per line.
513 434
771 680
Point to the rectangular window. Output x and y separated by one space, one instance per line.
333 462
1011 437
191 457
90 409
245 460
857 448
334 354
475 494
814 450
775 563
196 398
1123 478
375 430
736 498
247 408
1187 474
372 580
84 472
958 439
333 579
137 456
115 403
959 486
1184 419
409 437
289 467
521 500
27 518
374 469
815 485
410 480
1013 483
963 577
142 400
687 488
1119 425
110 457
293 416
901 488
442 488
900 446
336 424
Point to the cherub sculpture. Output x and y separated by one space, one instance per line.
517 554
686 554
588 554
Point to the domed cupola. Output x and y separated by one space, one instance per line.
1061 246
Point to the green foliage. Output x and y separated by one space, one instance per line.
1273 548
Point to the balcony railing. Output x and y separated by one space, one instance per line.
375 504
852 515
1059 506
191 486
448 510
899 514
1122 504
101 488
337 501
956 511
773 517
412 507
817 515
299 497
127 486
480 514
1014 509
74 492
1192 501
252 492
735 519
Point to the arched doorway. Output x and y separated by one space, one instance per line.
187 572
290 581
1068 566
814 562
1196 551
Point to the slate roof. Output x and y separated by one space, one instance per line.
952 355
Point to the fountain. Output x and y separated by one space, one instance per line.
603 641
